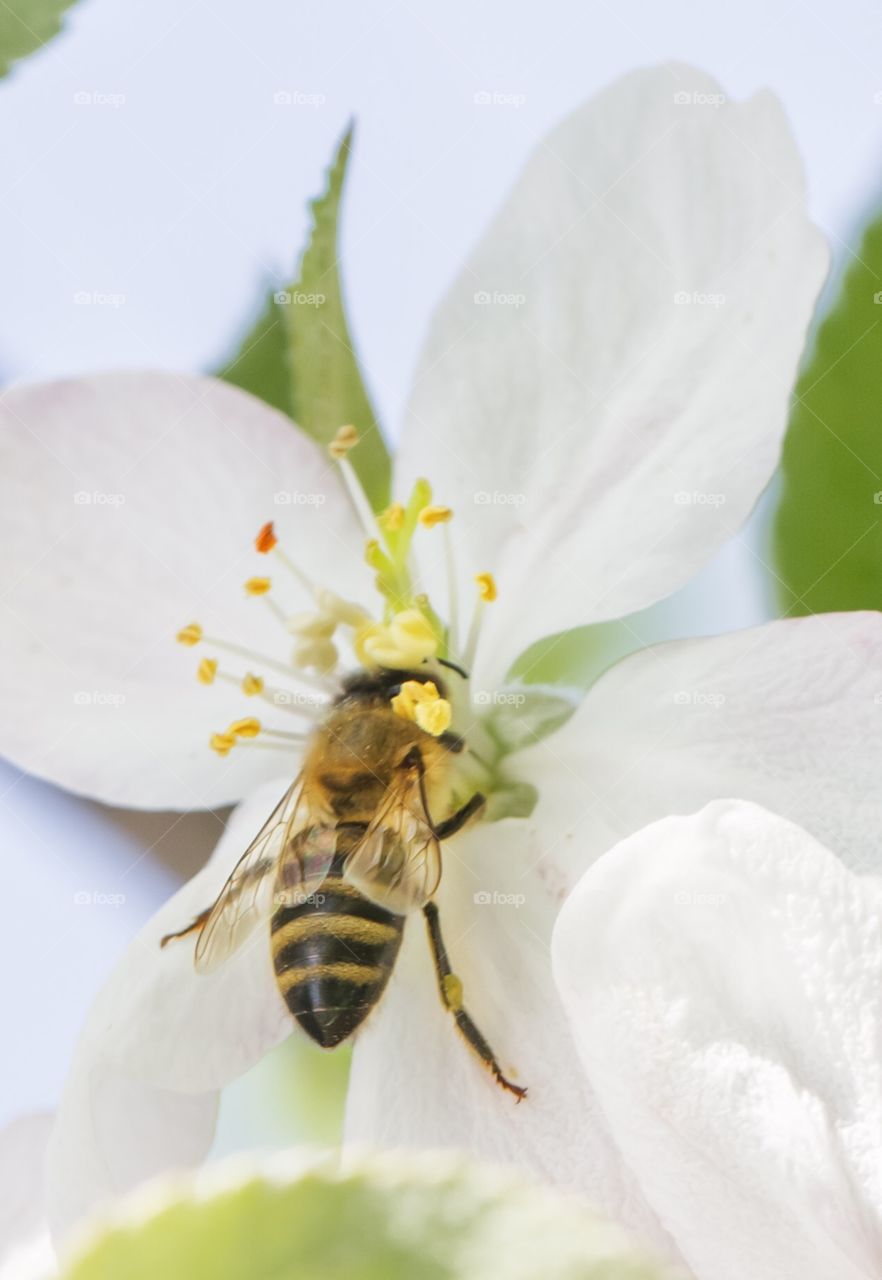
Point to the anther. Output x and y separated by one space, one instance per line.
266 539
249 727
258 586
345 439
206 671
252 685
432 515
222 743
392 518
486 586
190 635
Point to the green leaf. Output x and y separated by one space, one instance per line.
299 357
25 25
390 1218
520 715
261 363
827 539
571 660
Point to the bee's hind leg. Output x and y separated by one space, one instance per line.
451 994
196 923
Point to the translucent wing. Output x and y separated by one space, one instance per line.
284 848
397 863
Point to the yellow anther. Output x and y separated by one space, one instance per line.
258 586
451 985
191 634
252 685
222 743
345 439
432 515
247 728
392 518
404 642
206 671
486 586
373 554
434 717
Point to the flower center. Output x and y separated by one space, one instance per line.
405 632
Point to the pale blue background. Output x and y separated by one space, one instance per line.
188 195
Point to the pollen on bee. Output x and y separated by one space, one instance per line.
453 995
190 635
206 671
432 515
249 727
258 586
266 538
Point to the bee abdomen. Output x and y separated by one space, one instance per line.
333 956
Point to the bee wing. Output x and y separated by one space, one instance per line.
397 862
248 896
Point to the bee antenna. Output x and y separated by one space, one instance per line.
453 667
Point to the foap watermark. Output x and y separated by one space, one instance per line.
696 298
298 298
290 698
298 498
98 898
96 298
98 698
98 98
498 98
698 498
486 898
83 498
297 898
484 498
693 898
298 98
698 698
497 298
698 98
499 698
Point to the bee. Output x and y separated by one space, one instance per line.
349 852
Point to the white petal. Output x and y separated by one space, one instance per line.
787 715
176 476
160 1041
414 1081
568 419
722 974
22 1205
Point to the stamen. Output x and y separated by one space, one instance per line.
346 439
258 586
432 515
392 519
252 685
222 743
206 671
402 643
190 635
298 704
452 593
486 594
261 660
248 728
266 538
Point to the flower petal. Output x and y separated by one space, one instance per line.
722 975
414 1081
22 1207
600 435
129 504
160 1041
788 715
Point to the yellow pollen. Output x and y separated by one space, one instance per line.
434 717
206 671
452 988
258 586
412 692
400 644
345 439
190 635
222 743
247 728
252 685
392 518
486 586
432 515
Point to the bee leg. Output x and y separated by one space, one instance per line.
451 995
457 821
196 923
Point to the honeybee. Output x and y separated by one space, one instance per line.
350 850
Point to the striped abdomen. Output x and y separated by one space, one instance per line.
333 956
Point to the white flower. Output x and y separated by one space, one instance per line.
597 442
